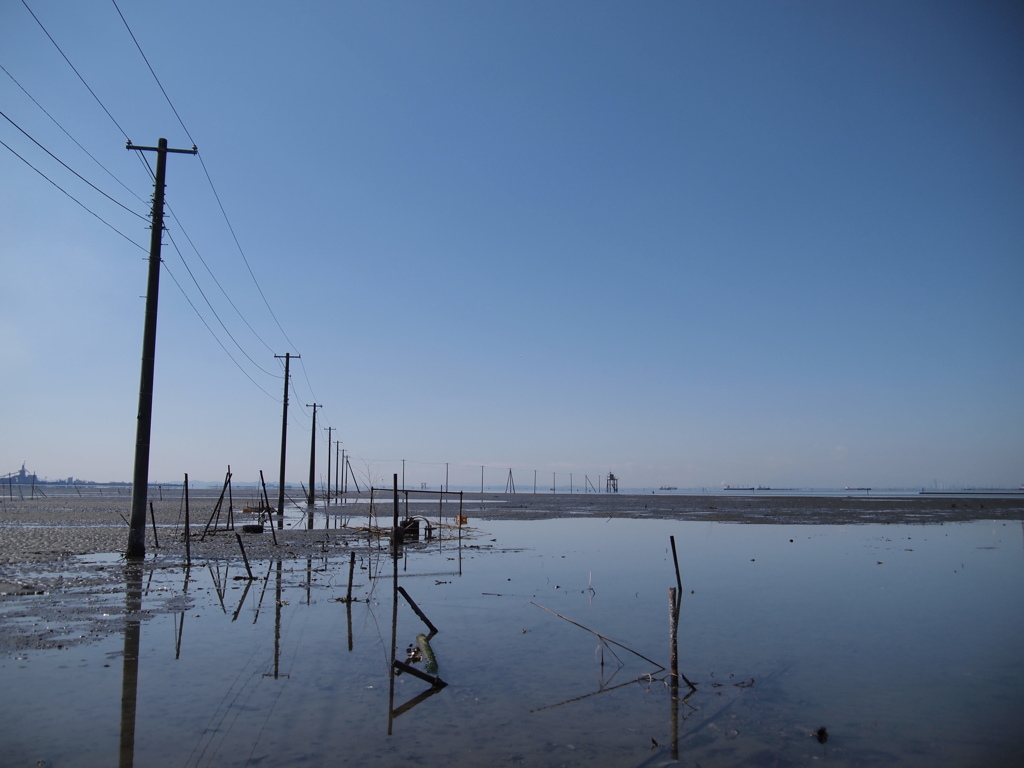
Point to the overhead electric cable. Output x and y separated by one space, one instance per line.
58 186
152 72
23 2
203 321
66 133
208 178
241 252
68 167
214 277
207 300
189 239
326 421
308 383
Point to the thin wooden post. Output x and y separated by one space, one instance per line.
416 609
264 500
152 517
673 641
673 616
675 559
231 503
245 558
188 538
395 533
351 571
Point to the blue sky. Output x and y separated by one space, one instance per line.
688 243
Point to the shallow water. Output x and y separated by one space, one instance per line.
903 641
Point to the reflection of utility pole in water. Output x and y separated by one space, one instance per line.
348 596
394 626
181 617
130 673
277 625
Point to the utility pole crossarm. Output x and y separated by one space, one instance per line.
164 148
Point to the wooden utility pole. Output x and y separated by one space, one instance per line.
140 476
337 466
284 441
329 431
311 498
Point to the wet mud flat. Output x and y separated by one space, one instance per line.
750 508
839 631
47 544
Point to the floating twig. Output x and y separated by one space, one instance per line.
602 637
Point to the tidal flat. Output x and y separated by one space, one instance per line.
527 636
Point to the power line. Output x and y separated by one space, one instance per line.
68 134
149 168
58 186
215 280
181 227
203 321
25 3
152 72
241 252
68 167
208 178
203 294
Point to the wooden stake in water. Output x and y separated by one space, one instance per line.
679 581
673 642
395 533
188 539
351 570
152 517
673 651
245 558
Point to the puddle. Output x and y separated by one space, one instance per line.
552 647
